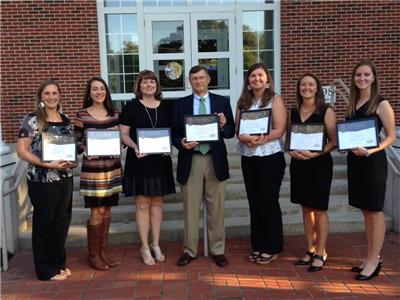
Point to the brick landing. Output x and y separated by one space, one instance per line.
202 279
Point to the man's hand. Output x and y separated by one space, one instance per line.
189 145
222 120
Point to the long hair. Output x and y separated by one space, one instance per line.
147 74
372 103
246 97
88 101
319 96
40 110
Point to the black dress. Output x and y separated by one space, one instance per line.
367 175
151 175
310 180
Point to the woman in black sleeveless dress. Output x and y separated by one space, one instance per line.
367 168
311 172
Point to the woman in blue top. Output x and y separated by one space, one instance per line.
49 183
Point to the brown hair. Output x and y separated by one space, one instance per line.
372 103
40 110
87 101
246 97
147 74
198 68
319 97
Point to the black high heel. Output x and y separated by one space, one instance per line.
356 269
302 262
312 268
374 274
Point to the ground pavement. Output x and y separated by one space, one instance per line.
202 279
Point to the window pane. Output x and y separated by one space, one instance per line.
129 23
114 44
116 83
167 37
131 63
119 3
258 20
114 63
213 35
130 44
266 40
126 3
170 73
219 72
113 24
267 57
129 81
250 40
249 58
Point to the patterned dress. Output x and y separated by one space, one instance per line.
101 178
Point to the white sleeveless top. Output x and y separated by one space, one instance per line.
269 148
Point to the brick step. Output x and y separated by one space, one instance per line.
234 191
233 208
172 230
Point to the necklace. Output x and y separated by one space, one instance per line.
153 125
307 110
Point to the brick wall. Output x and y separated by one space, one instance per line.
329 37
42 39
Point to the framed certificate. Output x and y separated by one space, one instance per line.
357 133
255 122
103 142
154 140
58 147
201 128
309 137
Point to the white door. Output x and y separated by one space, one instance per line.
175 43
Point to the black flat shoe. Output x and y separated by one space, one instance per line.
302 262
356 269
312 268
374 273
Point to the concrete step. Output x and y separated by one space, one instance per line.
172 230
233 208
234 191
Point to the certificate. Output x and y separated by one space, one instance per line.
309 137
154 140
255 121
58 147
357 133
103 142
201 128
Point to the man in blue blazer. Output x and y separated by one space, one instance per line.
202 168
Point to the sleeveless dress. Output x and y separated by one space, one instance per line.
101 178
367 175
150 175
310 180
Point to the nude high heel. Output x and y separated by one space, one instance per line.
146 257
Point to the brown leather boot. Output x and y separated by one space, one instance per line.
103 244
93 236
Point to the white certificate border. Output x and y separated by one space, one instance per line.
99 131
155 129
256 110
196 116
306 125
358 121
48 134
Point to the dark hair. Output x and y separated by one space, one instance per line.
40 111
198 68
319 97
147 74
246 97
372 103
87 101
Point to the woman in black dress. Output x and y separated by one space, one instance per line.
367 168
311 172
148 177
49 183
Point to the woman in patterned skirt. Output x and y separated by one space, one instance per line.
100 181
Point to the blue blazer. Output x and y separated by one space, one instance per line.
184 106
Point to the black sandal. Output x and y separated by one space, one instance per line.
253 256
302 262
263 260
314 268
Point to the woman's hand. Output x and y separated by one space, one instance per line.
138 154
360 151
296 154
57 164
309 154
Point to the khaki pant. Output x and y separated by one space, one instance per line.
203 184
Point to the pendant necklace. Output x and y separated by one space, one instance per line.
153 125
307 110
